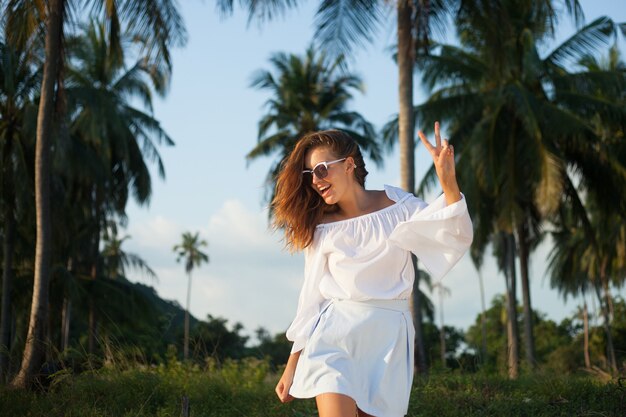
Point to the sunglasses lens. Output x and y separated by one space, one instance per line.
321 171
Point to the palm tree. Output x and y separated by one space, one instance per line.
189 251
593 237
477 259
343 25
116 260
504 251
111 139
442 291
36 329
308 93
584 257
157 21
517 121
565 261
19 81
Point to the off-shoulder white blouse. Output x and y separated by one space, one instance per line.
368 257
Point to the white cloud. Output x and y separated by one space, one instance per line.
156 232
249 279
235 225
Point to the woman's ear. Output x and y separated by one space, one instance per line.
350 163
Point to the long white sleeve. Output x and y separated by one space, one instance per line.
437 234
311 302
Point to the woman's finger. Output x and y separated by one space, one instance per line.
425 141
437 135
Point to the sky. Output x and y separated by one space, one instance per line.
212 114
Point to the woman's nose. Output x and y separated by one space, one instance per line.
315 179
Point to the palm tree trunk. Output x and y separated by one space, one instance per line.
33 349
610 350
49 345
65 323
421 365
66 313
8 196
529 338
93 327
512 331
406 58
442 330
7 280
605 287
586 335
95 268
483 317
186 341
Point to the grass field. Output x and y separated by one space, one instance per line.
246 389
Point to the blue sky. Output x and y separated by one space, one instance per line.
212 114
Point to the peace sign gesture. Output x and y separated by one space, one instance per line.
443 159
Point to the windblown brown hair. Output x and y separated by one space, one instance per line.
297 207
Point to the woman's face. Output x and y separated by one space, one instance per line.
333 185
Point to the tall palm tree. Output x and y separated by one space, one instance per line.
159 23
189 250
477 259
111 139
442 292
590 243
585 257
504 251
565 265
19 82
517 120
308 93
36 329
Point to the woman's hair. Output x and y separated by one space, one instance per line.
297 207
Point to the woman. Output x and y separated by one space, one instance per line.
352 334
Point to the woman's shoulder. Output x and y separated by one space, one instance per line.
404 198
381 201
396 194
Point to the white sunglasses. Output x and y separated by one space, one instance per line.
320 170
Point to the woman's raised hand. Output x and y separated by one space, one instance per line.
443 158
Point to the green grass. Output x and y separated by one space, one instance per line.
541 395
246 388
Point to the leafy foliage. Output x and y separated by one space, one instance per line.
308 93
246 388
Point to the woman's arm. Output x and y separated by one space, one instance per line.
284 384
443 159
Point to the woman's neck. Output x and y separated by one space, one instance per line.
356 201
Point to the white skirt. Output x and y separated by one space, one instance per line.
362 349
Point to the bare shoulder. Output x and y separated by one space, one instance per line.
331 216
380 200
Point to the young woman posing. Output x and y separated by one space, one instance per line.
353 333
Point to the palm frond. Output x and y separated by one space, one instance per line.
524 105
595 35
451 66
342 25
574 8
270 144
262 11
